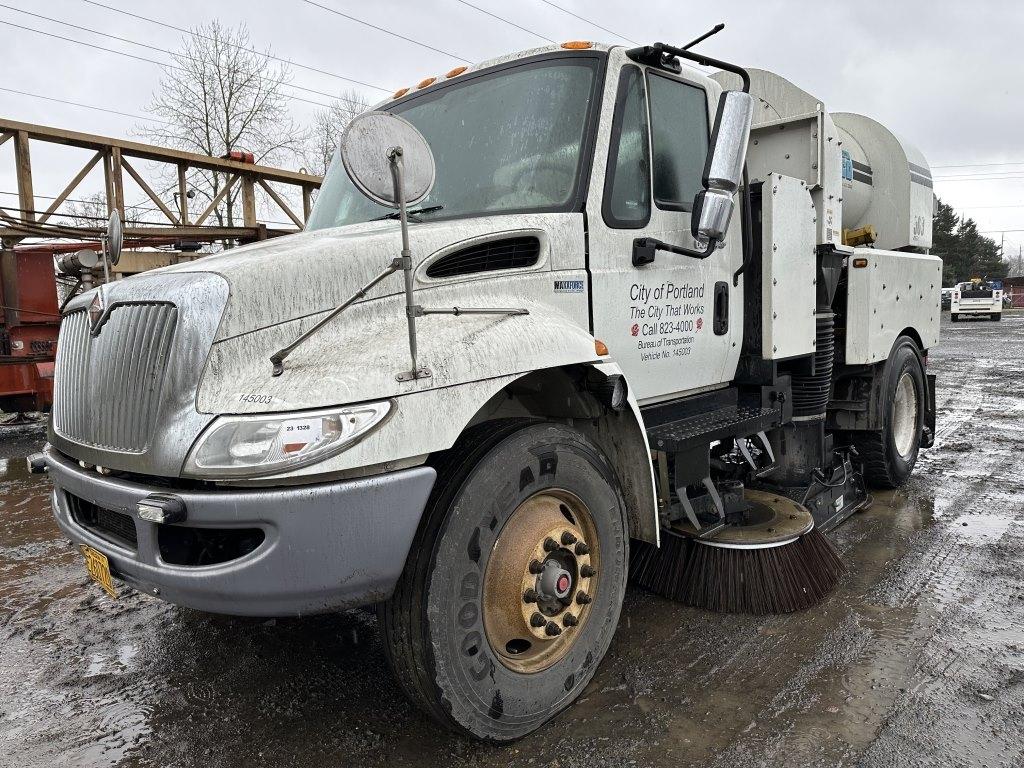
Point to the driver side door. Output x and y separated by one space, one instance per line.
657 319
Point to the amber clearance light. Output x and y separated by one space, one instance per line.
577 45
456 72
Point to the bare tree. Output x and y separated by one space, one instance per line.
220 95
327 127
91 211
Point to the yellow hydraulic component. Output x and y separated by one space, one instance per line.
860 236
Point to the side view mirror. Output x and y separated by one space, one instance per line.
115 238
723 172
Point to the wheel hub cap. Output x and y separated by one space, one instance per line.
904 415
540 581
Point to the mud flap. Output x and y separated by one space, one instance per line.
928 430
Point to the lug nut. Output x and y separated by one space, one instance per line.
568 539
569 620
552 629
582 549
583 598
586 571
550 545
536 567
530 596
538 620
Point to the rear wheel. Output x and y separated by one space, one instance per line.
997 316
954 317
890 453
514 583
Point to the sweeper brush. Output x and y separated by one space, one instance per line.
769 560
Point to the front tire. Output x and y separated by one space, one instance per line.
997 316
890 453
525 518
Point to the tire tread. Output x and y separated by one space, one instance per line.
402 618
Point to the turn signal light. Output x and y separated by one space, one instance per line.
860 263
577 45
425 83
600 347
457 71
162 508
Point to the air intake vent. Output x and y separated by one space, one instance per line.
497 254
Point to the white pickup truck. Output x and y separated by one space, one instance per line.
486 499
976 298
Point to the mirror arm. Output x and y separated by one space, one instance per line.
277 359
655 54
645 247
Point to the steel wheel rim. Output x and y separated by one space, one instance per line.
904 415
516 591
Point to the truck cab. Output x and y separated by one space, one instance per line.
488 501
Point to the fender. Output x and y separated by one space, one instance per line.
357 357
631 454
427 415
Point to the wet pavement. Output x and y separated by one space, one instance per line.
917 659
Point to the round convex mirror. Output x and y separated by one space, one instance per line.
365 147
115 238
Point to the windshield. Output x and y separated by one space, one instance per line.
509 140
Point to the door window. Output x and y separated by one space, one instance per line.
627 192
679 129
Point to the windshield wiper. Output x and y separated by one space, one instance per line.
411 214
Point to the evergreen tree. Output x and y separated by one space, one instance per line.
965 252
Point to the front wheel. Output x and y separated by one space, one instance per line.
954 317
890 453
514 583
997 316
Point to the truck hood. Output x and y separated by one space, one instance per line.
288 278
281 288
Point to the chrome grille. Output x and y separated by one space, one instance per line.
106 388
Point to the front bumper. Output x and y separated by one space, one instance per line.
325 547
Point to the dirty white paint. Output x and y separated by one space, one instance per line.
788 269
895 291
660 357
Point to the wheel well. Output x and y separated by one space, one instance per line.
572 395
914 336
858 399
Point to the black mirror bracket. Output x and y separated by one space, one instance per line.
644 249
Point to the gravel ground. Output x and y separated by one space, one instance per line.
916 660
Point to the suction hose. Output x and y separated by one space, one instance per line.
811 391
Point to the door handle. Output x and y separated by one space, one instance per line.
721 318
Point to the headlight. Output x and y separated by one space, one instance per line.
248 446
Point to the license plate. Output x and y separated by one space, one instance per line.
98 566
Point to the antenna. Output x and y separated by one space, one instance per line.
714 31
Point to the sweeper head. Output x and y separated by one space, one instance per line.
767 558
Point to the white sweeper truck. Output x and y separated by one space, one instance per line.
559 320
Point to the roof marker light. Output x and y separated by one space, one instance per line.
400 93
455 72
577 45
425 83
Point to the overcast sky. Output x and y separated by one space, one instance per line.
945 75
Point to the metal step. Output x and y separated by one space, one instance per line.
729 421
